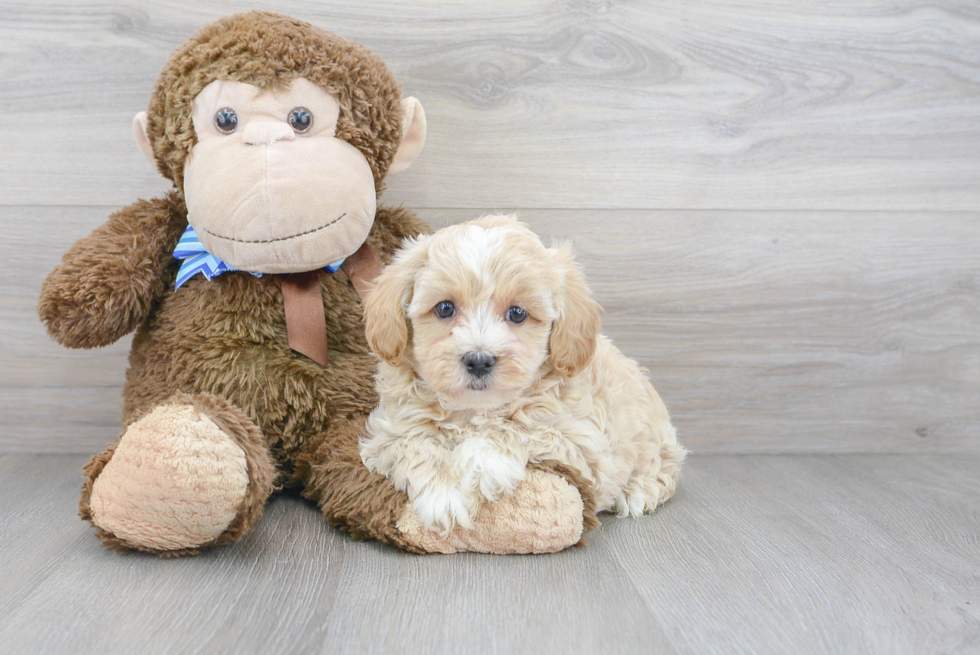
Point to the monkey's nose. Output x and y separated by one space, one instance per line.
479 363
260 133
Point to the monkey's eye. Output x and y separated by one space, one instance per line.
226 120
445 309
517 315
300 119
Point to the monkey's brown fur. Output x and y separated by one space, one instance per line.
221 345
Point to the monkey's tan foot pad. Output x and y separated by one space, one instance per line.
176 481
543 515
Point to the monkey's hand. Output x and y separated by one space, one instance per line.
108 281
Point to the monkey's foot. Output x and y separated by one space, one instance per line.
549 511
189 474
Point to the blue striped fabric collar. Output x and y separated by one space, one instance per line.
195 259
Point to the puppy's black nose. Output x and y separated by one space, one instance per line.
479 363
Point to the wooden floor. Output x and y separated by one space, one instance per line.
760 554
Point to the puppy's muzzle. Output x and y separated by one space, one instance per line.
479 364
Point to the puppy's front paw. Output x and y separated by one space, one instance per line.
481 467
442 508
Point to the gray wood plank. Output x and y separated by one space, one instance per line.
766 332
854 554
845 104
802 554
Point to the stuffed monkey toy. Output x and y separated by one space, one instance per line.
249 372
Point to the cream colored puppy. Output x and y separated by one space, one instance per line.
492 358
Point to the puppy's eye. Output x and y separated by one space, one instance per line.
517 315
445 309
300 119
226 120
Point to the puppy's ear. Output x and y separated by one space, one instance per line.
574 334
385 324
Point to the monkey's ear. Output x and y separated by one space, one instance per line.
413 135
143 141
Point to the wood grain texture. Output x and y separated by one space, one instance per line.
857 554
847 104
765 332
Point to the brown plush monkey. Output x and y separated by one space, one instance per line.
277 137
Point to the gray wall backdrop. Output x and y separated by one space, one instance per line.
776 202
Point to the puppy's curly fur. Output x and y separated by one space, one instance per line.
545 385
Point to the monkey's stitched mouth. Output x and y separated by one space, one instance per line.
292 236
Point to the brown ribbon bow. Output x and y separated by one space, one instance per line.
306 323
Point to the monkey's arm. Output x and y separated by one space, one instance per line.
550 510
108 281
